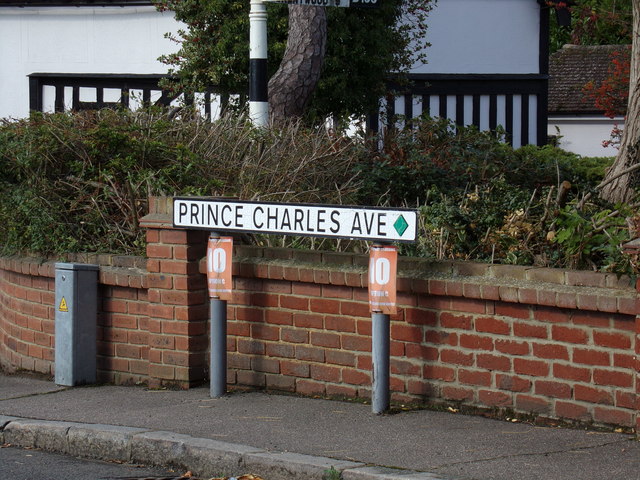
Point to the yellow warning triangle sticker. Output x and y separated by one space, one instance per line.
63 305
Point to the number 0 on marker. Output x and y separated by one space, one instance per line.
383 263
219 269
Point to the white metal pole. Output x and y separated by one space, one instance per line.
258 92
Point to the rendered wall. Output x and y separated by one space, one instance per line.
77 40
584 135
467 36
553 343
487 36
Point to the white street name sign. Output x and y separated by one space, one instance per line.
330 3
313 3
328 221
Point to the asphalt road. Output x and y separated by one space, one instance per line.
19 464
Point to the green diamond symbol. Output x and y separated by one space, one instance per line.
400 225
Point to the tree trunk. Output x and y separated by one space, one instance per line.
618 186
291 86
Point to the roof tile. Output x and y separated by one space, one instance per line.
570 69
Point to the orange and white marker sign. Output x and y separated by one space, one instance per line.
383 266
219 268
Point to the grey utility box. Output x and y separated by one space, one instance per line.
76 323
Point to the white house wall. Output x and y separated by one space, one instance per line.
125 40
483 37
584 135
490 37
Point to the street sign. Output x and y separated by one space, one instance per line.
365 3
313 3
330 3
327 221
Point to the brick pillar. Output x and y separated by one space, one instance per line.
178 303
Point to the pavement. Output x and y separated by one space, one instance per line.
281 437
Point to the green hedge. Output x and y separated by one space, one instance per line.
80 182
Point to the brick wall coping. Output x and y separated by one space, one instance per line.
160 217
590 291
115 270
586 290
160 213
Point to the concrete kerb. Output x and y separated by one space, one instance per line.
104 442
216 458
204 457
283 466
46 435
4 421
385 473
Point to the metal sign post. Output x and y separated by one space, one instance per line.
220 283
383 261
380 225
380 343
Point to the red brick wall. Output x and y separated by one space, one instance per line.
178 303
27 317
300 322
554 343
123 338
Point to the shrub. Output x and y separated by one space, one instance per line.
462 224
479 199
80 182
591 237
434 152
